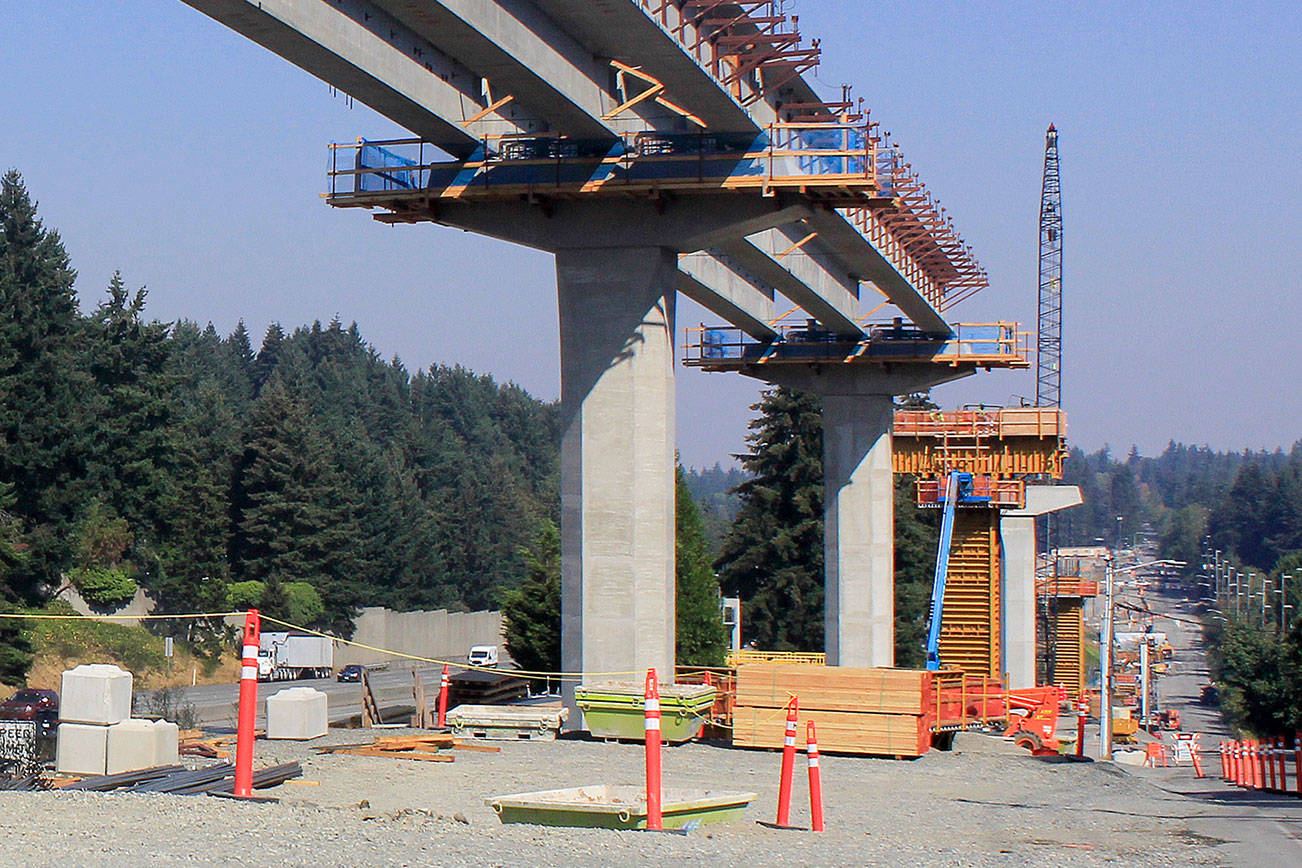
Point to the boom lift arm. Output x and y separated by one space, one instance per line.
937 607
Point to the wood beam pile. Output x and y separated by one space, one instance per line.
876 711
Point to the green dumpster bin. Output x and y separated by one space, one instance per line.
616 709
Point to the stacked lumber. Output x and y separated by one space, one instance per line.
877 711
425 748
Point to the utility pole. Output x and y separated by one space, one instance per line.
1144 681
1105 665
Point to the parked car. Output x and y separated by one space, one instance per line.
351 672
33 703
1211 695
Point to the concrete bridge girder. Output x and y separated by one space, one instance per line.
524 54
728 291
363 51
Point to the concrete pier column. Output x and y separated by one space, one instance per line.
1017 538
858 516
617 460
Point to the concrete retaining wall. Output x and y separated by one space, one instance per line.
440 634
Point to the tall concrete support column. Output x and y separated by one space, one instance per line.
1017 537
858 528
617 459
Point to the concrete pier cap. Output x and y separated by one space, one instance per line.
1017 536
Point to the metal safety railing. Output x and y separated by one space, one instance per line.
982 344
834 155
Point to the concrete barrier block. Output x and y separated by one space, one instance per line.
131 746
81 749
167 743
95 693
297 713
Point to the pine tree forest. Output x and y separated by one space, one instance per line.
305 474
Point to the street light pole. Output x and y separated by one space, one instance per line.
1105 665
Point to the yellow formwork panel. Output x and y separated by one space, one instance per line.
969 627
1069 645
926 457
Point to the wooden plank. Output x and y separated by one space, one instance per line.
394 754
838 731
482 748
893 691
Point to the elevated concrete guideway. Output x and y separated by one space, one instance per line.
655 147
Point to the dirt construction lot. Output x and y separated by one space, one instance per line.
986 803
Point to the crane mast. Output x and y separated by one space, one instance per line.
1048 383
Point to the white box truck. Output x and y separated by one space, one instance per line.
286 656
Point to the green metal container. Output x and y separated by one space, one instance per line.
618 807
616 709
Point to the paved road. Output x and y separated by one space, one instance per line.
1259 829
217 704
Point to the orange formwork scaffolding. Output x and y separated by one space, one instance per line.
1000 448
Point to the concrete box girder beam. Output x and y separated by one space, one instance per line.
623 31
728 291
524 54
863 260
359 49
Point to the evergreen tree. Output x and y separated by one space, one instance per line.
701 639
43 424
292 521
531 612
132 458
772 557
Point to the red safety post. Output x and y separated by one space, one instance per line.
443 699
815 780
1240 763
788 764
1258 772
651 727
1297 761
1235 776
248 704
1081 710
1195 754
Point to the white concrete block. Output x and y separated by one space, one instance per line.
167 743
297 713
95 693
81 749
131 746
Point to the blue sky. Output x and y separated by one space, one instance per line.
163 144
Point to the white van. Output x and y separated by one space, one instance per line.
483 655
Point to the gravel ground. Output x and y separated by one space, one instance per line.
986 803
